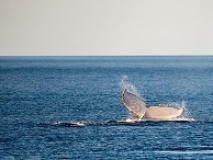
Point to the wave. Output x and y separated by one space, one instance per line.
186 152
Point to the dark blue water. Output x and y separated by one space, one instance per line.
71 108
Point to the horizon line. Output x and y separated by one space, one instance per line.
166 55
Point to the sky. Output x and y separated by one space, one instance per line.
106 27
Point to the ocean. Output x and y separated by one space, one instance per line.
71 107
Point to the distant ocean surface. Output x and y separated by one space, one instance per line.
71 108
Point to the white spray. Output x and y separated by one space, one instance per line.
125 84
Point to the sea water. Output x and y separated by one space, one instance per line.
71 107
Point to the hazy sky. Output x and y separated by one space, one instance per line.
106 27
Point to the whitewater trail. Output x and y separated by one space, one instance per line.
127 122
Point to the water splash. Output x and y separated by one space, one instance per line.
182 104
186 113
126 84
